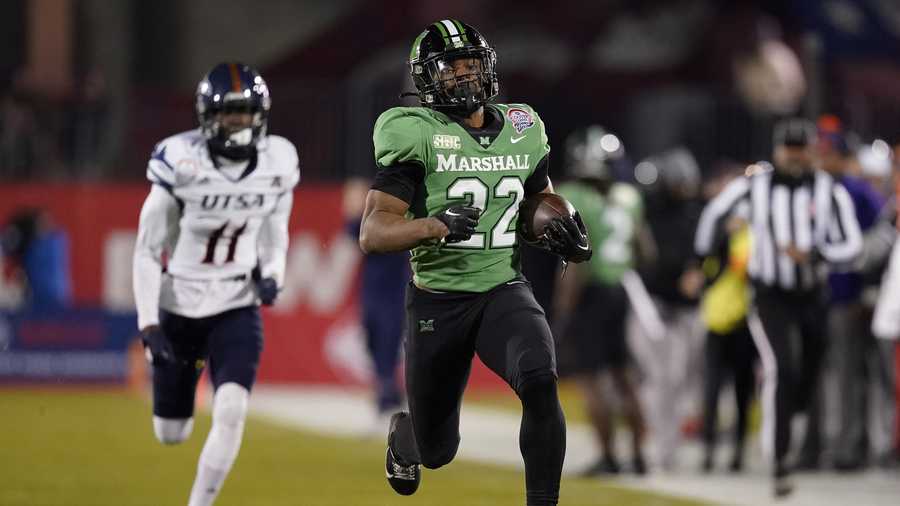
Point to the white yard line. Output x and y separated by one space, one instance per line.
491 436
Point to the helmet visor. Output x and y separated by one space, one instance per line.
462 78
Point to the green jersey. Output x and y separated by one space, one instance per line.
612 222
488 172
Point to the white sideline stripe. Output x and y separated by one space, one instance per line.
769 384
491 436
644 308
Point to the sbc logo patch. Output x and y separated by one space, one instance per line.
441 141
520 118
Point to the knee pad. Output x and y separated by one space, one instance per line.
171 431
230 405
539 395
541 384
224 440
433 458
535 366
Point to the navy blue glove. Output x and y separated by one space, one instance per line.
157 348
267 290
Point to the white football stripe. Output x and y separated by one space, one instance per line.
451 29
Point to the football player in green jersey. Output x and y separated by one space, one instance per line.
451 175
591 301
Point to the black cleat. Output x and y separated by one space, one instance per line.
848 465
707 466
737 464
404 478
782 485
604 466
639 467
808 462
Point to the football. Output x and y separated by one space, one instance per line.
536 212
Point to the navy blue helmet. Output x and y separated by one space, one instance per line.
233 88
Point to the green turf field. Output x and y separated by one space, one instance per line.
81 448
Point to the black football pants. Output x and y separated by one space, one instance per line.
507 329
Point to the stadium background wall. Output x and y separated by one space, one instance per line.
312 334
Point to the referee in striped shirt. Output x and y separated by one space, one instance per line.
802 221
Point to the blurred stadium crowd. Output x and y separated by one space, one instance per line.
691 90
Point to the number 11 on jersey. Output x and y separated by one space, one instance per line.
219 233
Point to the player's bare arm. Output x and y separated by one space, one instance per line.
385 227
568 290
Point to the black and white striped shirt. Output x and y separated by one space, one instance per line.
813 214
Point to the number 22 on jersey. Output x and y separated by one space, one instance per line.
478 192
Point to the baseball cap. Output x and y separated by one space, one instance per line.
796 132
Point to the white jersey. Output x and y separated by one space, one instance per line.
215 222
886 320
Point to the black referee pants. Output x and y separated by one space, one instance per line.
789 332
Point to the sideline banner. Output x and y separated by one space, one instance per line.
312 334
75 344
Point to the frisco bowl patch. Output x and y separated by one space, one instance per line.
520 118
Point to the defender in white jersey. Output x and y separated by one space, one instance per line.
211 247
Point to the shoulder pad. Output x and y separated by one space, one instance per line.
522 117
161 166
518 105
505 108
284 153
409 115
175 158
399 135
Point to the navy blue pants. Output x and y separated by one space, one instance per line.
382 314
231 342
383 320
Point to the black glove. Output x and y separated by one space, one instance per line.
266 290
157 348
460 221
567 237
